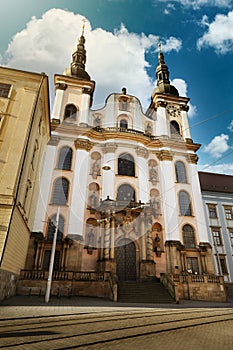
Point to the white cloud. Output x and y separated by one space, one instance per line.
217 146
219 34
182 87
230 126
197 4
170 7
172 44
114 59
224 168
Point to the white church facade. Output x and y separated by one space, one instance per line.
125 182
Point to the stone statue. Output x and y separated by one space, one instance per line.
95 169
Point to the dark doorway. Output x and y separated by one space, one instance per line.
46 262
126 260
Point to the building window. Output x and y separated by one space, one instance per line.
223 265
228 213
123 124
52 227
70 112
65 158
192 265
185 204
216 237
4 90
188 237
174 128
126 193
180 172
212 211
126 165
60 191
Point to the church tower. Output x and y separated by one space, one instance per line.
186 240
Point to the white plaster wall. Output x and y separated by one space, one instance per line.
185 125
79 193
144 193
198 204
45 186
161 123
84 109
58 104
108 182
169 201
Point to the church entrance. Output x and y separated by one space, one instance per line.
126 260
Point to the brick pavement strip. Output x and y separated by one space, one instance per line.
91 324
116 330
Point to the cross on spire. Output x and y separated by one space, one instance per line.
159 44
84 21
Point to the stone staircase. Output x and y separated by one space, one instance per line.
143 292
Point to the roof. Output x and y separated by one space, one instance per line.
216 182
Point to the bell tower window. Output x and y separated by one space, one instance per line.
70 112
175 128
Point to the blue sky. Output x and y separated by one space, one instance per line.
121 42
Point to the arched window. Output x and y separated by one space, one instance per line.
126 165
65 158
60 191
185 204
189 237
52 227
70 112
123 124
175 129
180 172
126 193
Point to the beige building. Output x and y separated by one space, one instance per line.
24 133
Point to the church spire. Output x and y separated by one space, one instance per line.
77 68
162 75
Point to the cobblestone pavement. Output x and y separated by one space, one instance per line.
89 323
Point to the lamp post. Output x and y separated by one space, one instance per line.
49 282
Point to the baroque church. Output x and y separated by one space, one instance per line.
125 183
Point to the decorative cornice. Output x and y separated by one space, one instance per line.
142 152
109 148
87 91
192 158
164 155
184 108
61 86
161 104
83 144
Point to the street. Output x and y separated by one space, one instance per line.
91 325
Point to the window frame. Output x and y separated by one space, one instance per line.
229 213
189 239
217 237
126 167
72 116
3 91
181 173
212 211
185 208
60 162
56 198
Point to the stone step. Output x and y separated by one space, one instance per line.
145 292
